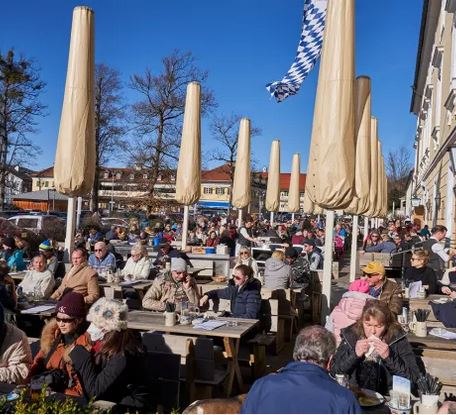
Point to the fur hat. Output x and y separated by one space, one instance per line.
360 285
72 304
108 315
178 264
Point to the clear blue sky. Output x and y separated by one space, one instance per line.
244 44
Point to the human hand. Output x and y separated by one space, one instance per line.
187 282
453 294
361 347
446 290
203 300
381 348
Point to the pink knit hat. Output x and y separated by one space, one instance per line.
359 285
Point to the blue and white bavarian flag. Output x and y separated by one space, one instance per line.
309 50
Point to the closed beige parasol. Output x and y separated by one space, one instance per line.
273 187
293 192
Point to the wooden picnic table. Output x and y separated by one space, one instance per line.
424 303
231 335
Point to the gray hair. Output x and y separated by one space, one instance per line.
139 248
314 344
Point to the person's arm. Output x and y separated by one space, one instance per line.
93 290
244 233
46 284
16 366
345 360
96 383
59 291
144 269
440 251
395 303
402 360
192 291
151 300
374 248
253 304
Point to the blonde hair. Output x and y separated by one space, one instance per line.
278 255
422 254
139 248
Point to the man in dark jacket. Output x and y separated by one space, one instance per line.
303 386
244 294
300 268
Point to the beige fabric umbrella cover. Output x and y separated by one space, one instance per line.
241 181
384 190
188 178
293 192
273 188
379 208
331 170
374 170
74 167
360 203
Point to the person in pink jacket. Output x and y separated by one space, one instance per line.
349 309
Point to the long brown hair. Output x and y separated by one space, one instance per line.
380 311
121 342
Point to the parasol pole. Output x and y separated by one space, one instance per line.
354 248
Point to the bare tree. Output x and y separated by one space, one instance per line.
157 116
109 117
20 88
225 131
398 166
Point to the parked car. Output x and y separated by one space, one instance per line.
8 213
48 226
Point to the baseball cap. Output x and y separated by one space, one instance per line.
374 267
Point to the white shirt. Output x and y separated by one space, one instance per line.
38 282
440 251
137 270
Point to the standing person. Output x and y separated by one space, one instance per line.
303 386
245 258
80 278
419 271
39 279
245 235
438 254
15 353
58 338
374 349
102 258
276 271
172 286
116 370
244 294
382 288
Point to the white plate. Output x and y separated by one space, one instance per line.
379 399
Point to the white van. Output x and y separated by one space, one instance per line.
37 223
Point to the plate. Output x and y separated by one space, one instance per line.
368 397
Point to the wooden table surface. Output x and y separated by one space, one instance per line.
432 342
142 285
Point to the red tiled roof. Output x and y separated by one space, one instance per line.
285 181
48 172
218 174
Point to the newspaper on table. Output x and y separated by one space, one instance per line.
208 324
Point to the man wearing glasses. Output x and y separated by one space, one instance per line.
102 258
381 287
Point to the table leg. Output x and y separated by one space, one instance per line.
231 352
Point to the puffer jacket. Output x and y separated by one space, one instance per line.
347 312
375 374
54 354
245 301
166 289
276 274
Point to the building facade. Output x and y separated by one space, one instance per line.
431 193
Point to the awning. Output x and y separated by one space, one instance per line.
216 204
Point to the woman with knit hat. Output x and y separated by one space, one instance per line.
114 373
58 337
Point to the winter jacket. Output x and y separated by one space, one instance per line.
299 388
15 356
299 272
81 279
15 259
53 354
108 262
38 282
166 289
347 312
137 270
245 301
276 274
112 379
385 247
391 294
426 275
375 374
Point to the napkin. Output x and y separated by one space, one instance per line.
443 333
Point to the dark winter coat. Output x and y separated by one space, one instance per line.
245 301
375 374
424 274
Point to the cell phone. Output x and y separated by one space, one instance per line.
12 396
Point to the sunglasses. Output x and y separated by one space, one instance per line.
370 275
64 320
244 253
237 277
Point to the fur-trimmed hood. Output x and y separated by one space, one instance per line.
48 335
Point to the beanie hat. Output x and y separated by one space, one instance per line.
178 264
72 304
45 245
9 242
108 315
360 285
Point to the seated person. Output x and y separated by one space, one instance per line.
15 353
80 278
387 246
448 282
276 271
374 349
8 297
419 271
166 251
349 309
102 258
314 255
118 360
382 288
299 268
59 336
244 294
47 250
172 286
13 256
38 280
246 258
138 265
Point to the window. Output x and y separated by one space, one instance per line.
132 176
106 175
207 190
301 194
46 184
284 194
118 175
219 191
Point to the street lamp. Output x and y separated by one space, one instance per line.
415 200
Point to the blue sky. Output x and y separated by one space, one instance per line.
244 44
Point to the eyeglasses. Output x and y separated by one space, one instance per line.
237 277
244 252
64 320
370 275
98 250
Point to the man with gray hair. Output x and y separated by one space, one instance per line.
303 386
